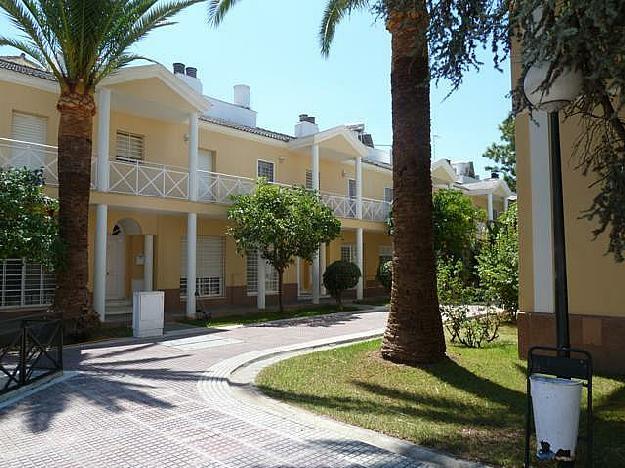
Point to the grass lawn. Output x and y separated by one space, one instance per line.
471 405
267 316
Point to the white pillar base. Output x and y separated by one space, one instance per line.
99 264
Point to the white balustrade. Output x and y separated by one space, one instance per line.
159 180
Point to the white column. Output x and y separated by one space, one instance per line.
99 266
490 207
191 259
193 158
104 126
316 280
148 262
359 262
322 267
260 275
359 188
298 273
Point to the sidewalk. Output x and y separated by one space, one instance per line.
171 403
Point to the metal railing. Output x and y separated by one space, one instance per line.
164 181
30 352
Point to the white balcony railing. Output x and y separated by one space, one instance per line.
163 181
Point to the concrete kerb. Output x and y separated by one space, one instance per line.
232 382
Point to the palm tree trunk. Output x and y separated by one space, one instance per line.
414 332
74 171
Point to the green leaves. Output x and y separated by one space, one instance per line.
504 153
83 41
28 218
282 223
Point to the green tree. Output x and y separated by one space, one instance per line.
504 153
339 277
498 262
28 218
456 222
430 39
587 36
80 42
281 223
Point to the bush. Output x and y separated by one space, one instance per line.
340 276
385 275
498 263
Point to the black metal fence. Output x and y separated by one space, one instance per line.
30 350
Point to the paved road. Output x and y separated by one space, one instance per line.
163 404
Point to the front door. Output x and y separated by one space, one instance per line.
115 263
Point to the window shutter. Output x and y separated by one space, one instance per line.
206 160
388 194
30 128
209 265
308 179
351 189
130 146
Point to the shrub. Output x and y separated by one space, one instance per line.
498 263
340 276
385 275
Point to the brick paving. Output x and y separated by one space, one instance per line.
146 404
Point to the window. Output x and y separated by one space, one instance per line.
385 253
309 184
348 253
265 169
271 276
130 146
25 284
30 128
351 189
209 266
388 194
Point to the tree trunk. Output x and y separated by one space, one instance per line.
414 332
280 279
74 172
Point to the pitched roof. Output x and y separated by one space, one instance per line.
373 162
244 128
15 65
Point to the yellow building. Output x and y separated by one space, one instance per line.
166 159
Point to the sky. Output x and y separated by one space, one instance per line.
272 45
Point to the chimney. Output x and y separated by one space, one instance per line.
306 126
188 75
242 96
494 175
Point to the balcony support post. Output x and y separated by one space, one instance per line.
99 261
359 188
104 127
191 262
148 262
490 207
360 262
316 270
193 156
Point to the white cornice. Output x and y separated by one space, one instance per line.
30 81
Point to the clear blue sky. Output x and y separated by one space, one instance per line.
272 45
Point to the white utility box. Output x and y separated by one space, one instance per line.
148 313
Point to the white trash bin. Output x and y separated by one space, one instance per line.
148 314
556 405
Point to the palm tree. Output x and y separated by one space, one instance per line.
414 332
80 42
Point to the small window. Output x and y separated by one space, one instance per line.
29 128
130 146
209 266
385 253
348 253
309 184
206 160
351 189
388 194
265 170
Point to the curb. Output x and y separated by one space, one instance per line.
231 383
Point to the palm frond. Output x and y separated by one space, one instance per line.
334 12
217 9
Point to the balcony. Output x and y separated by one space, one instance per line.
162 181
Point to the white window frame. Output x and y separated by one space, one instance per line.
27 285
273 169
129 135
251 271
207 285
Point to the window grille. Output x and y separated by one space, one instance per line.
271 275
348 253
24 284
265 169
209 266
130 146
